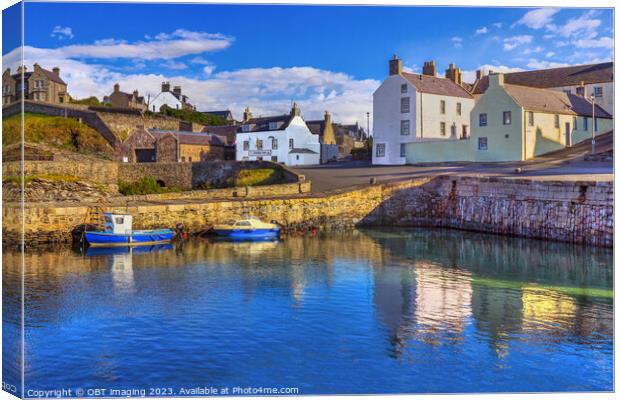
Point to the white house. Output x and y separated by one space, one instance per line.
283 138
417 107
581 80
173 99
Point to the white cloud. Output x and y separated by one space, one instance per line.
267 91
208 69
61 32
549 54
584 26
605 42
514 41
164 46
457 41
538 18
481 31
497 24
544 64
530 50
174 65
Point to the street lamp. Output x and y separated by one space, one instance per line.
593 121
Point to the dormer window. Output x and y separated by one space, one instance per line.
273 126
246 128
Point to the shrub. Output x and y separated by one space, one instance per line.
145 185
258 177
194 116
89 101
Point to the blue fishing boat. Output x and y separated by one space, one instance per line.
248 229
118 232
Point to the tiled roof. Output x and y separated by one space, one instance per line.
198 138
553 101
48 74
435 85
555 77
316 127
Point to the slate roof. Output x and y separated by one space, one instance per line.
261 124
435 85
316 127
49 74
139 99
553 101
228 131
197 138
302 151
554 77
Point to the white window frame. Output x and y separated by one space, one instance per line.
483 119
380 154
405 126
483 143
405 105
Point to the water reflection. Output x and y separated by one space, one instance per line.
372 311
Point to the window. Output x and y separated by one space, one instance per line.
442 107
556 121
189 159
380 150
458 108
574 122
273 126
403 149
119 220
530 118
259 144
585 123
507 117
482 120
404 105
274 158
246 128
598 91
274 144
404 127
442 128
291 144
482 143
580 91
246 145
403 88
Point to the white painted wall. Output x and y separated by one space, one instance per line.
425 118
387 117
297 130
607 101
166 98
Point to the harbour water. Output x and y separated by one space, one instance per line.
372 311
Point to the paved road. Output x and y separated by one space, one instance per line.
352 173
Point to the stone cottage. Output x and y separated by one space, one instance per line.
120 99
39 85
154 145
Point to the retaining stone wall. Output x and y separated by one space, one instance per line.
97 172
577 212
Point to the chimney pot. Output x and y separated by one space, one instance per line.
117 87
429 68
56 71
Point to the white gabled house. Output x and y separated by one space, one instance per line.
173 99
418 107
284 139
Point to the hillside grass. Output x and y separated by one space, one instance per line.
259 177
65 133
145 185
48 177
194 116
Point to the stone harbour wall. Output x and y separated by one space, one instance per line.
577 212
97 172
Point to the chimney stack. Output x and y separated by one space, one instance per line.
21 68
56 71
396 66
135 93
247 114
165 86
177 90
295 111
581 89
479 74
454 74
429 68
496 79
328 118
117 88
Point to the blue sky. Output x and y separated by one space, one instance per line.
324 57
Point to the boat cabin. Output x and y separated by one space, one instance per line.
117 223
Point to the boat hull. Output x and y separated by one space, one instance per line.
247 233
136 238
